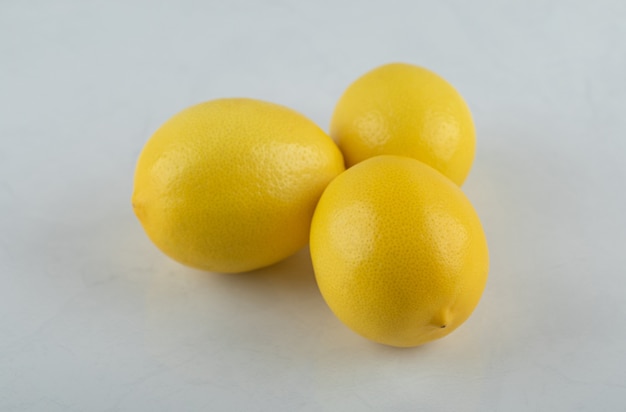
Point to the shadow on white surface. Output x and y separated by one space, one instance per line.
277 309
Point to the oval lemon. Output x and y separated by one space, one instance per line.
398 251
406 110
230 185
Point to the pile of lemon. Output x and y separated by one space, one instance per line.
399 254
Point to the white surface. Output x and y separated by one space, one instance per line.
94 318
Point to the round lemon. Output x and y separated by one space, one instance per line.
398 251
406 110
230 185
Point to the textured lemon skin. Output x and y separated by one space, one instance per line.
230 185
406 110
399 253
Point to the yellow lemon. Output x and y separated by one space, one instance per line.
398 251
406 110
230 185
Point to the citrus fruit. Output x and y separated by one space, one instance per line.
398 251
230 185
406 110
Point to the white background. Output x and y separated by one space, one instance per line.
94 318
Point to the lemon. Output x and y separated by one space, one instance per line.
230 185
406 110
399 253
